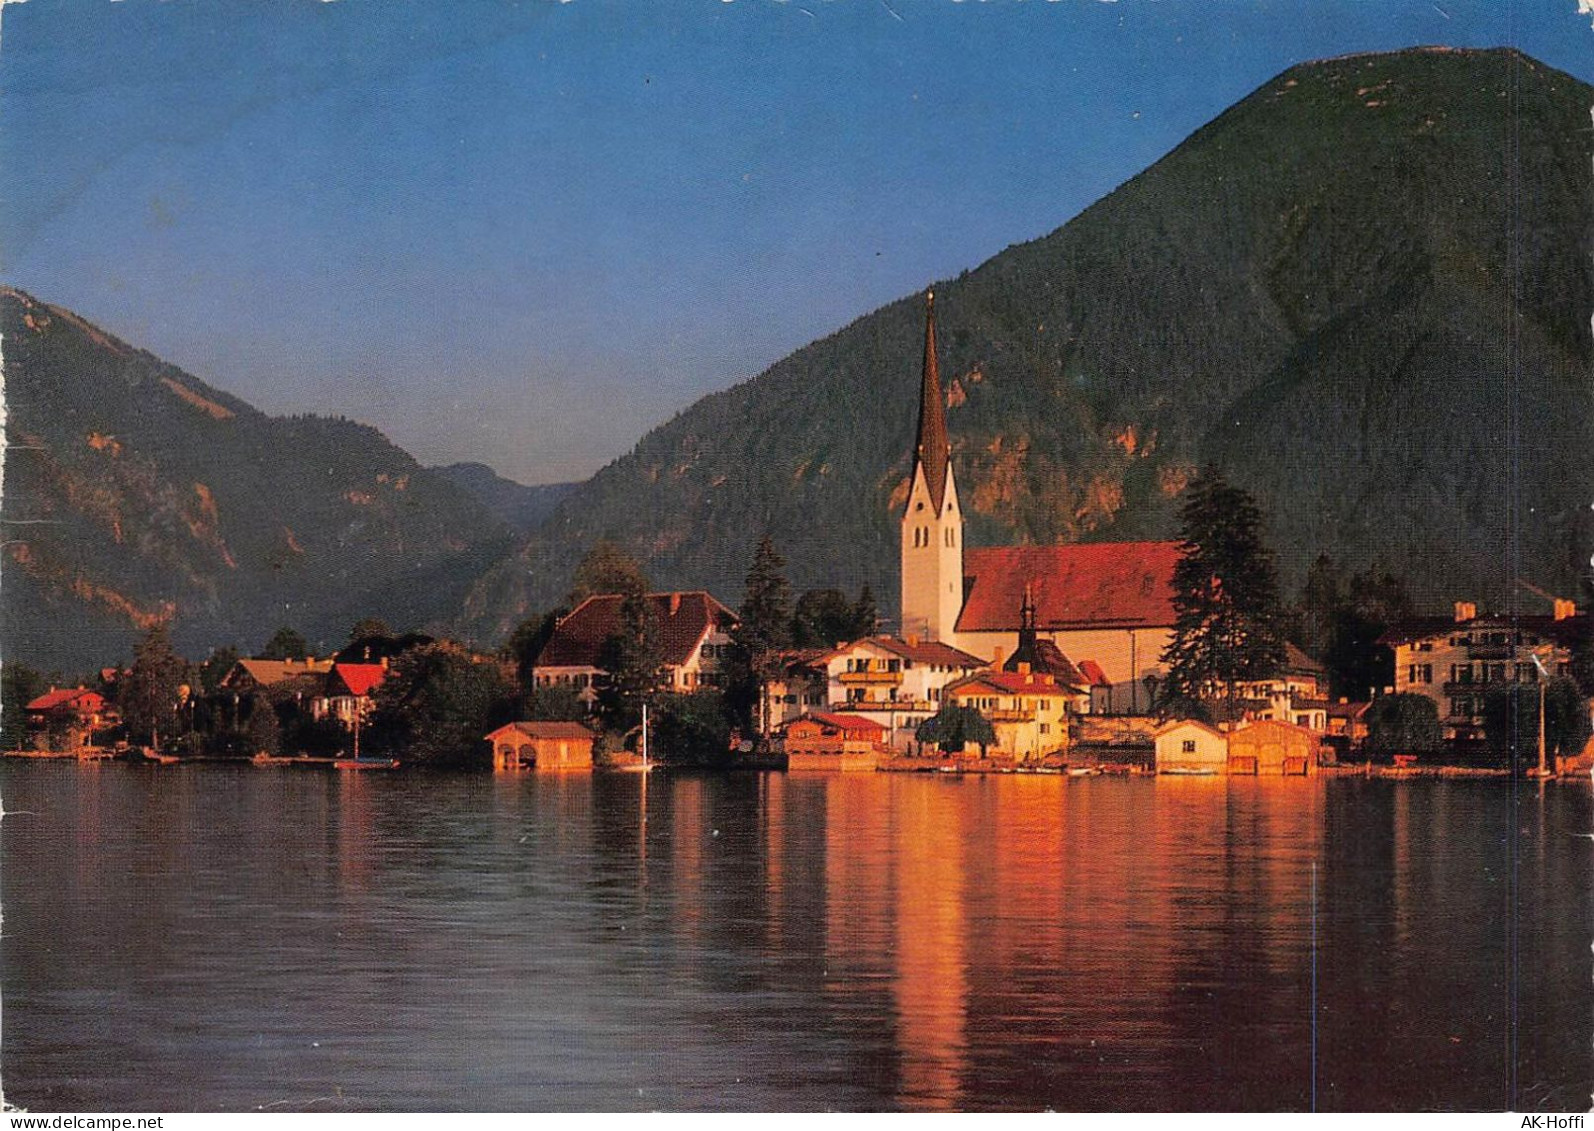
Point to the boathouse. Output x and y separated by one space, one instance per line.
541 746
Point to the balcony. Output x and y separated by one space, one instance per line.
1010 716
1491 651
871 678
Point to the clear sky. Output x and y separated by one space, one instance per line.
524 233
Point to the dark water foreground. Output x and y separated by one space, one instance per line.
204 937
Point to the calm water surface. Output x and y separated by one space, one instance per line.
241 938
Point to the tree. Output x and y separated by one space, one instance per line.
1340 620
559 702
824 617
153 690
628 666
762 631
435 706
1227 628
691 729
285 644
215 668
865 613
606 569
19 686
1402 724
953 727
526 643
1511 720
368 627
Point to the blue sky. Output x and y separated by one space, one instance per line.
524 233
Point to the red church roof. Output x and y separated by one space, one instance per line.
680 621
1081 586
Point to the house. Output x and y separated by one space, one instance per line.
1457 661
803 685
897 683
825 741
1297 694
65 719
691 631
347 693
1028 710
1109 601
1190 747
1347 725
1269 746
253 675
541 746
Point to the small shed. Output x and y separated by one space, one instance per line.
1272 747
823 741
1185 746
542 746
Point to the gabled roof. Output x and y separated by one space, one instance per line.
1079 586
354 679
553 730
77 698
269 672
840 722
680 621
1093 674
1009 683
1297 662
928 652
1565 630
1181 724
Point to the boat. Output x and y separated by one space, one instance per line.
1084 771
1189 772
365 764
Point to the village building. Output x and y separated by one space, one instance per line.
1457 661
541 746
1109 602
803 685
347 693
827 741
1347 725
1029 711
1297 694
66 719
1270 747
690 630
252 675
1191 747
897 683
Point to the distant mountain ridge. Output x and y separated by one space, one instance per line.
518 506
1364 291
136 494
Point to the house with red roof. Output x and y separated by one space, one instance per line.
690 630
895 682
66 718
1028 710
823 740
346 696
1108 602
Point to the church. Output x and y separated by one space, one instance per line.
1106 606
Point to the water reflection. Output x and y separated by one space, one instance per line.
232 938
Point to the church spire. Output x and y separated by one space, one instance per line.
933 452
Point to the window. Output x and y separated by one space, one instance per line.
1188 746
1045 728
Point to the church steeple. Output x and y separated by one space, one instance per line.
932 528
932 451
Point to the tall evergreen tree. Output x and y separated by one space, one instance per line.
607 568
628 666
764 629
1227 628
285 644
152 690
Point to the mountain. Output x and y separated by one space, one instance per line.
516 505
1364 291
136 493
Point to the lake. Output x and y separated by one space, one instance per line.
240 938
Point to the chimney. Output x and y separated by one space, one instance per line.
1023 667
384 663
675 603
1465 611
997 656
913 640
1565 609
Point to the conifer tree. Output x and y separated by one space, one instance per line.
764 629
1227 628
628 663
153 689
